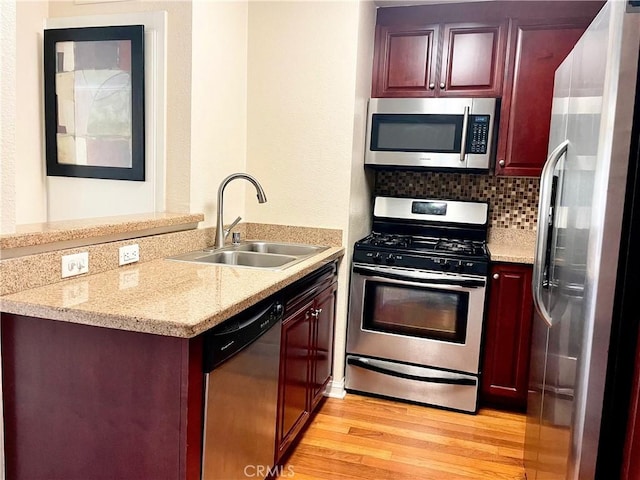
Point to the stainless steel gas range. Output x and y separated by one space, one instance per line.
417 301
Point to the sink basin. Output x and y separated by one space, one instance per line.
256 254
280 248
247 259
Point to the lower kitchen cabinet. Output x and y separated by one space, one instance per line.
322 342
505 371
293 402
85 402
306 354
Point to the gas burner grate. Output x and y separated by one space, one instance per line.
466 247
388 240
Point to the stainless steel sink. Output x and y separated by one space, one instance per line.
280 248
257 254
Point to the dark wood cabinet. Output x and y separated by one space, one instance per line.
536 50
97 403
405 61
306 354
322 342
472 60
293 401
459 59
505 370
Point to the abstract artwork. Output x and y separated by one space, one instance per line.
94 102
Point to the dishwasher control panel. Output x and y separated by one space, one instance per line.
232 335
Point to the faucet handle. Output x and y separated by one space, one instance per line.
228 229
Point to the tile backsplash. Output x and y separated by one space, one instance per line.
513 201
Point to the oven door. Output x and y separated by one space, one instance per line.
419 317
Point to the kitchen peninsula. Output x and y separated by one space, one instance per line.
102 374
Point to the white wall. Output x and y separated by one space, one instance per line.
30 199
302 58
309 68
7 116
219 106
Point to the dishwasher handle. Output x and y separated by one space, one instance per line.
236 333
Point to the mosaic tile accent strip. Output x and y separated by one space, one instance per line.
513 201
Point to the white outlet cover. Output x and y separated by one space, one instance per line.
75 264
128 254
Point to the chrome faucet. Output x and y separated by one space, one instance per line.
221 232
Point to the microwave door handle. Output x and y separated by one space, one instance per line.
465 128
540 256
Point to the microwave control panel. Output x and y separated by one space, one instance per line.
478 136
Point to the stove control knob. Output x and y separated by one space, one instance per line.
377 258
390 259
445 265
460 267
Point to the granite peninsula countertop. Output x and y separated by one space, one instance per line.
512 245
162 297
68 230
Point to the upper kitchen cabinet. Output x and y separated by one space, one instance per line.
449 59
472 60
404 62
536 49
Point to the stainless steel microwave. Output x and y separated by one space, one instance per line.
434 133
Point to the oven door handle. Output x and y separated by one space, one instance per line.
419 278
356 362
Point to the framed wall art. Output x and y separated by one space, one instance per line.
94 102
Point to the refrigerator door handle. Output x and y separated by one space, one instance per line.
546 187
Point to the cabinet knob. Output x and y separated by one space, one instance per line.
501 163
442 85
496 276
432 86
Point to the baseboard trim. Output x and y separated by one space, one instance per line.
335 389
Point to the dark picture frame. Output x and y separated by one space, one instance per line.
94 102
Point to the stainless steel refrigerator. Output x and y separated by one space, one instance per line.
583 331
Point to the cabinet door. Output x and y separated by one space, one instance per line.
536 51
472 60
293 404
322 350
404 61
508 336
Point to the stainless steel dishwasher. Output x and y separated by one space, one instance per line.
241 365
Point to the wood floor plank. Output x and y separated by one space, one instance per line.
437 419
365 438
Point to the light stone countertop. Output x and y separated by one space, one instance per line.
74 230
512 245
162 297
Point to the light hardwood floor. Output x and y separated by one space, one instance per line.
368 438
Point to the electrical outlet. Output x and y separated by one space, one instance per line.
75 264
129 254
